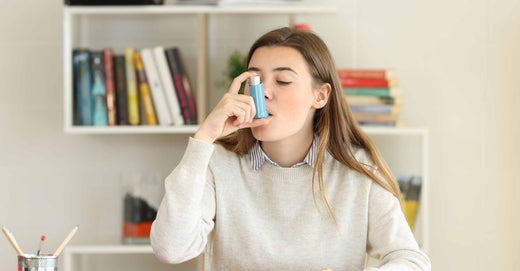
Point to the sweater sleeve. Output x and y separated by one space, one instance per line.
389 237
186 214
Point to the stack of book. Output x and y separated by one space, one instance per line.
410 186
373 96
146 87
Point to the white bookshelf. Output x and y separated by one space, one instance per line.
74 18
405 149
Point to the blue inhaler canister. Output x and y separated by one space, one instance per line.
256 90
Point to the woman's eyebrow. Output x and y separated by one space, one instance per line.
255 69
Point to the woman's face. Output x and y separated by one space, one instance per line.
289 96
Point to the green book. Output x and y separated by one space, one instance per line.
380 92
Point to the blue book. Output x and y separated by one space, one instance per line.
83 97
99 110
375 109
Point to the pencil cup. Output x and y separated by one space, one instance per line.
31 262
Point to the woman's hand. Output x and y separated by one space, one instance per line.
233 112
326 269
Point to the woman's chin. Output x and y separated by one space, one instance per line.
262 133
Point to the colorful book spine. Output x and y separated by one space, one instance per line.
382 118
370 100
98 90
366 73
158 95
167 83
410 186
380 92
368 83
144 90
376 109
81 65
108 69
179 87
131 87
120 84
186 85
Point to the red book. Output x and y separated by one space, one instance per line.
365 73
364 83
108 69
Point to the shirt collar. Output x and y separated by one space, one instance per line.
258 156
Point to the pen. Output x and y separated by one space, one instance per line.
64 243
13 242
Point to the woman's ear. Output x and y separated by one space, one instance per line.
321 95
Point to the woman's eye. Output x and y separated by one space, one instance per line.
283 82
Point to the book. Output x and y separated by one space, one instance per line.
381 118
131 87
376 109
108 69
397 123
98 90
167 83
158 94
176 74
186 85
368 83
144 90
380 92
121 92
410 187
366 73
371 100
83 95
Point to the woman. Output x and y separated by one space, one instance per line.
304 189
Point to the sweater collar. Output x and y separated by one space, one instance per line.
258 156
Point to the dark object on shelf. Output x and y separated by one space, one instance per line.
112 2
138 216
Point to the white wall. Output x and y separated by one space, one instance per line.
456 61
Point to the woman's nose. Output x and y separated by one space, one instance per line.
267 92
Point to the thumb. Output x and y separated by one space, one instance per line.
326 269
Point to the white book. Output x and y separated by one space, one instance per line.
159 99
169 88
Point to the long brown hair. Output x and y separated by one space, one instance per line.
334 124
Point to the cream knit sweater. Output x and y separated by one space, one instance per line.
267 219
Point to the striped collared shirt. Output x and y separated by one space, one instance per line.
258 156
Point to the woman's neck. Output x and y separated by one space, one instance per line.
289 151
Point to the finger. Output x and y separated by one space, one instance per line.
248 100
235 85
240 111
255 123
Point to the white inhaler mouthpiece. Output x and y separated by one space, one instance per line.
256 90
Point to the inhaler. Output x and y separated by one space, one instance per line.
256 90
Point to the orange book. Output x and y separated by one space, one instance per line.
144 90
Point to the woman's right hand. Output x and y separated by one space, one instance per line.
234 111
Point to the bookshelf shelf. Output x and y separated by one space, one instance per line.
189 9
186 129
109 249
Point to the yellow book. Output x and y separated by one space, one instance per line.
131 87
410 212
144 90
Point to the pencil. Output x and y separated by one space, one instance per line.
41 245
13 242
64 243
